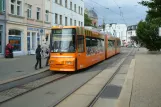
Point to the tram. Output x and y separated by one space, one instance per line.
74 48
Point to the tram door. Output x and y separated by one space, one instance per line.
81 52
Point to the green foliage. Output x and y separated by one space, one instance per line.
87 20
147 31
154 8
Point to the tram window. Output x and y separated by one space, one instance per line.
88 42
119 43
109 43
113 43
102 43
99 43
94 42
80 43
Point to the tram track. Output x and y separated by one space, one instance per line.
17 91
27 87
95 99
91 104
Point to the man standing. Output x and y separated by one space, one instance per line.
38 57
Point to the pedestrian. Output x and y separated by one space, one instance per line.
48 57
9 51
38 57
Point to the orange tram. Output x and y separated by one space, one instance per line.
74 48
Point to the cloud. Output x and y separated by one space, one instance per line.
130 9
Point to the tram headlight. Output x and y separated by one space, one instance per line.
51 62
69 62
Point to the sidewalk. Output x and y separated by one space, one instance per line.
143 84
147 80
18 66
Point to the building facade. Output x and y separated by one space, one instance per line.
93 16
27 25
68 12
117 30
131 31
2 27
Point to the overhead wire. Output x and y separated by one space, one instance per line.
121 13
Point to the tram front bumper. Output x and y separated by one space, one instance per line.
62 64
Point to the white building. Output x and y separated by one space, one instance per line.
131 31
117 30
68 12
27 24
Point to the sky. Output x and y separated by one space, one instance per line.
109 11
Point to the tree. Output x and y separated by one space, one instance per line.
154 8
87 20
147 31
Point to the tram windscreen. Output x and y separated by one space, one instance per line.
63 40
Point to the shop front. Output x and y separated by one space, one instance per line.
16 36
34 38
15 39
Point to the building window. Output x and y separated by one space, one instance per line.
75 7
47 16
56 18
75 23
66 3
66 21
38 13
19 7
56 1
70 5
16 7
15 39
71 22
79 9
1 29
2 5
81 23
60 2
29 11
60 19
13 6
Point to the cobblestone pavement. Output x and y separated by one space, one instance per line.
18 66
147 79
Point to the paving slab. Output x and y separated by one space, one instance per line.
98 81
89 89
76 101
104 102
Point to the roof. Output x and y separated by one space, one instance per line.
93 14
